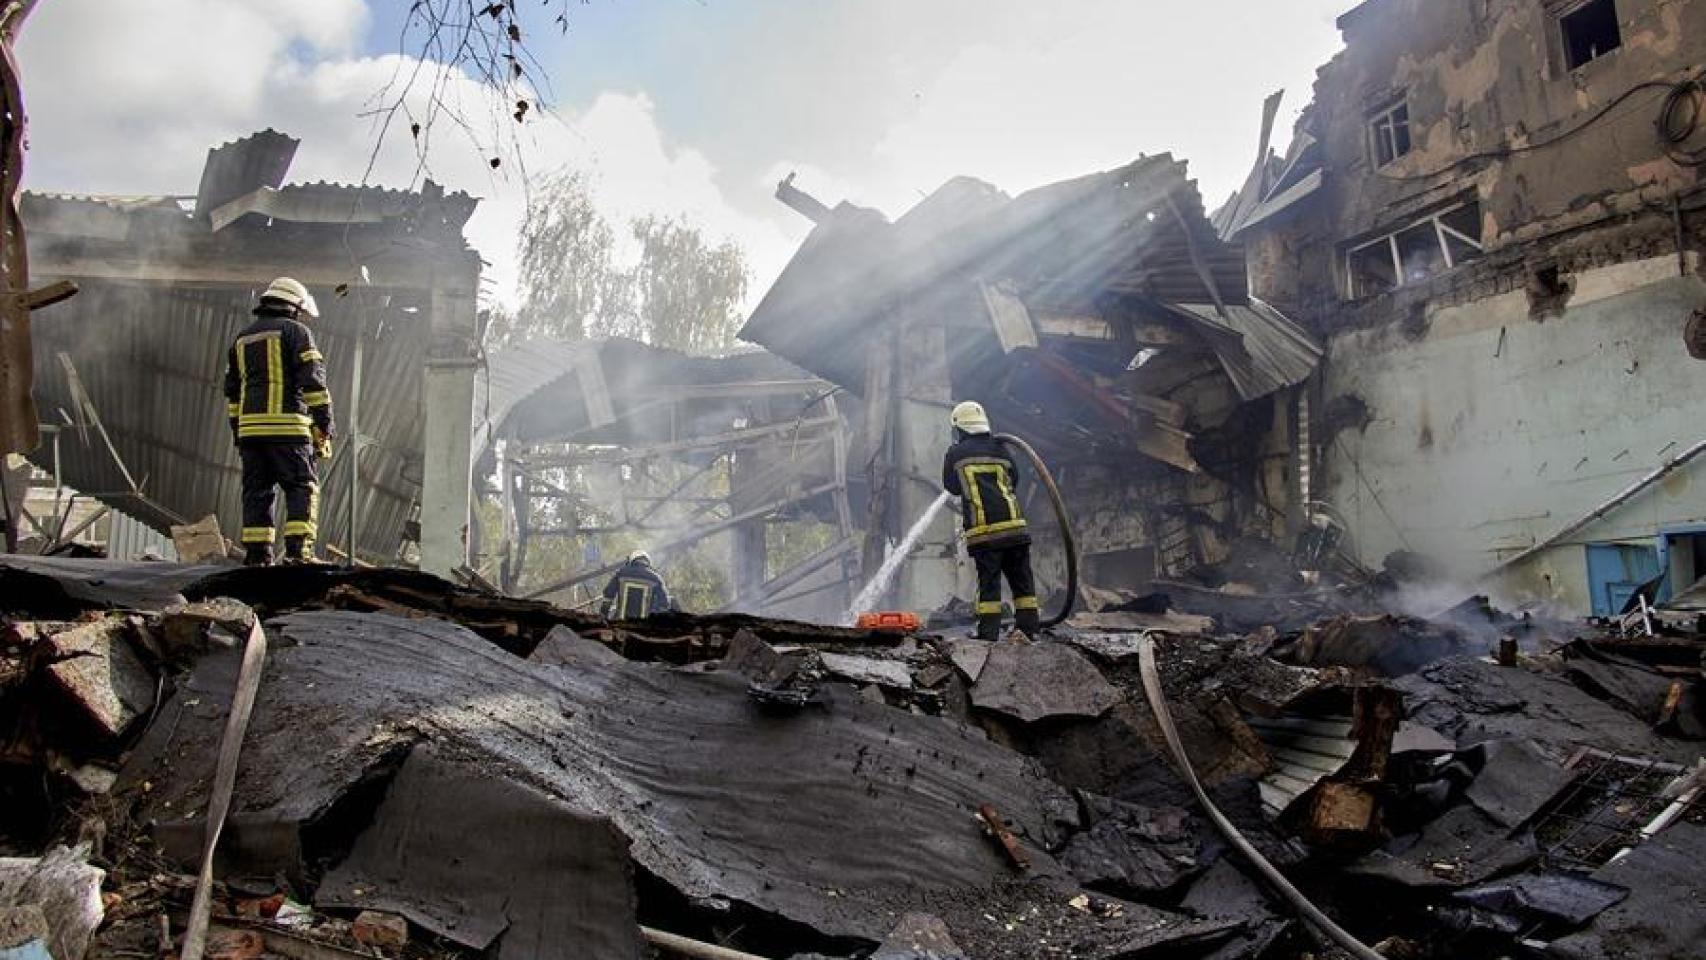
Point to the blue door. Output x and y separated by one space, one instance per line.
1615 572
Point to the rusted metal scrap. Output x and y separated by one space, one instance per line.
997 828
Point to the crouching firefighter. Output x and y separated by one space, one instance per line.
281 419
979 470
636 591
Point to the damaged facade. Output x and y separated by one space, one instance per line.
128 373
1100 319
673 450
1491 212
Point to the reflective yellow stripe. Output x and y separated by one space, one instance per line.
633 599
296 433
1024 603
257 534
316 398
298 528
232 409
301 418
987 608
990 528
968 478
242 376
310 356
275 376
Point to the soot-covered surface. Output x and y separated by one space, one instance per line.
1473 700
833 817
475 858
60 586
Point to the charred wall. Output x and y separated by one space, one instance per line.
1495 116
1507 390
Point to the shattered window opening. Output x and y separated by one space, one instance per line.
1427 247
1590 31
1391 131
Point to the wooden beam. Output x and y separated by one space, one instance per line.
49 295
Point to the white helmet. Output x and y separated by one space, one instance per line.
969 417
287 290
639 556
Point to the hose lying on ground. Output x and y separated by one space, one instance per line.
1065 525
1311 913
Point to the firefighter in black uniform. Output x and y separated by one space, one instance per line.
281 419
636 591
981 473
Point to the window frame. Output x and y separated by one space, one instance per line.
1390 238
1563 10
1381 127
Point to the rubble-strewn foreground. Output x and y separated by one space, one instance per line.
431 771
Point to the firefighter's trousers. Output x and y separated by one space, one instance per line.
290 467
1014 563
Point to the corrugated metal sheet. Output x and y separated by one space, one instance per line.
152 358
1305 750
339 203
130 539
239 167
513 374
1273 186
1110 232
618 391
1274 352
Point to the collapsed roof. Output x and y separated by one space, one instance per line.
1055 301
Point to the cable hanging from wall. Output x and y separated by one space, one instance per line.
1678 123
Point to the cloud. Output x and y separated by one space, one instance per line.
1023 94
130 118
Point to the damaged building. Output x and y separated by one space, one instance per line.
1445 340
1100 318
1491 214
128 372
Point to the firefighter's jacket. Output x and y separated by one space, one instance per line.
275 382
979 470
635 592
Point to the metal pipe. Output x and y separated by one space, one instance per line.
693 948
1158 704
1628 493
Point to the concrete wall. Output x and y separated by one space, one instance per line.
1491 430
1477 76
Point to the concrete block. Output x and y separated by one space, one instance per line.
96 668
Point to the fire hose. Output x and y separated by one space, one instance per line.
1070 544
1164 717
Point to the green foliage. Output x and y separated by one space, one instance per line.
689 291
787 545
682 291
570 280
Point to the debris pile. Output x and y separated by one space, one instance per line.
433 771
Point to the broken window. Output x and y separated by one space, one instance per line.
1390 128
1590 32
1428 246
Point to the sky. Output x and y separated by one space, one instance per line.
690 108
